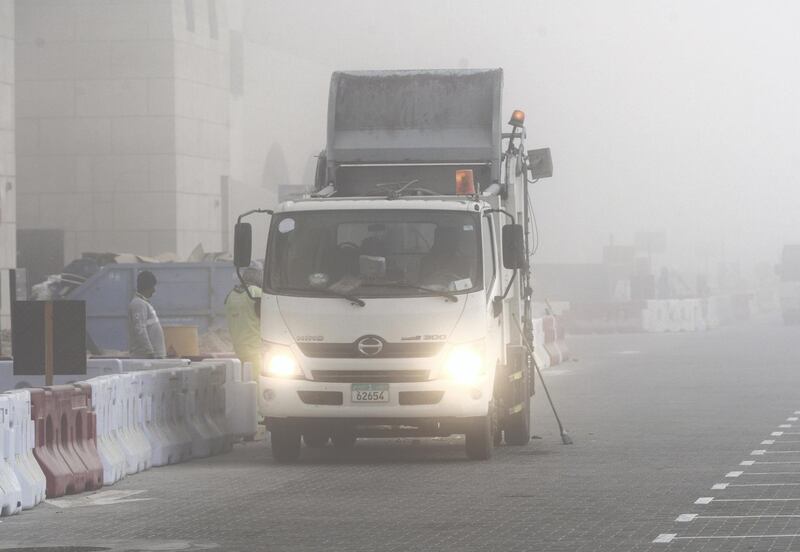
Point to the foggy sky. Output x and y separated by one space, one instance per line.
679 116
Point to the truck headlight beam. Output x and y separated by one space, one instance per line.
279 362
464 365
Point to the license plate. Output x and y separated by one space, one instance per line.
369 392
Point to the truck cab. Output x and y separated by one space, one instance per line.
396 297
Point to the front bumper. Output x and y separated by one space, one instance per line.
281 398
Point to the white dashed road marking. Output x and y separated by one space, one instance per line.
685 518
667 538
755 500
764 473
755 485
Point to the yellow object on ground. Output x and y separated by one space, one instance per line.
181 341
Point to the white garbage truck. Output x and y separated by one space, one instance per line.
397 295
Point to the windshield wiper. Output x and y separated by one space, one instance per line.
327 292
405 285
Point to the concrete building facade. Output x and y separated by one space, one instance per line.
8 249
128 115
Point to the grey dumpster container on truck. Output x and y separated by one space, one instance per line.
397 126
186 294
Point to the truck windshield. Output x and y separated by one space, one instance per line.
383 253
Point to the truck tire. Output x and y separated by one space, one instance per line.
316 438
517 426
344 438
479 438
517 430
285 443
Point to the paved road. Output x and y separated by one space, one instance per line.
657 421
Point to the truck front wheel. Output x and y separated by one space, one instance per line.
517 430
479 438
316 438
344 438
285 442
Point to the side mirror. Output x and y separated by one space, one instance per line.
513 247
242 244
540 163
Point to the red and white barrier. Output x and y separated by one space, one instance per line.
550 347
69 438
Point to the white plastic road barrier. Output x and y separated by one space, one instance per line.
10 489
164 422
241 396
160 412
29 475
539 351
679 315
216 393
94 368
141 364
207 439
104 403
133 385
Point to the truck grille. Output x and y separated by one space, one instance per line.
420 397
370 376
390 350
329 398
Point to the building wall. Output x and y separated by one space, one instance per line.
95 119
123 127
8 250
202 124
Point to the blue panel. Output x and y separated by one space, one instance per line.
186 294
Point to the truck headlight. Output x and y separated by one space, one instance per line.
464 364
280 362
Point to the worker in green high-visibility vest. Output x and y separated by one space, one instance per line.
243 312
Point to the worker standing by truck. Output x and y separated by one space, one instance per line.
242 310
145 335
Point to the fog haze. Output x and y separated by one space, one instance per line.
662 116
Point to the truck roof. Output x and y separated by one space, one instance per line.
443 203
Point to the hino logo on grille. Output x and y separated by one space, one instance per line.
369 345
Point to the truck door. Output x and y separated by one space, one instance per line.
493 288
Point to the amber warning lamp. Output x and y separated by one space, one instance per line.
465 182
517 118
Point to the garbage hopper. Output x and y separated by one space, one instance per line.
181 341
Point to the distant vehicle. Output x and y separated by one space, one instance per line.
789 272
397 299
